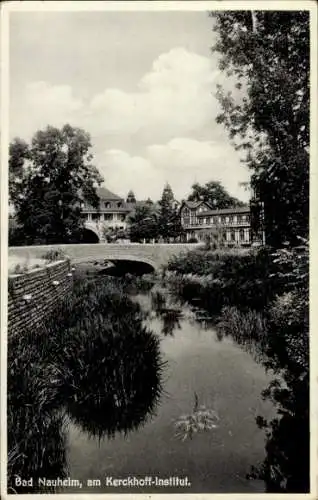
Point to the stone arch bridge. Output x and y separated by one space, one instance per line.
154 255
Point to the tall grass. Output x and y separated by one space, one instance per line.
93 360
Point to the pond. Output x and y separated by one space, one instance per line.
209 385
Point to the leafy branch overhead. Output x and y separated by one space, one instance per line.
267 54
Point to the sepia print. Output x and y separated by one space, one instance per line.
157 300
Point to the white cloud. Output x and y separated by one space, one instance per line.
165 119
181 162
43 104
123 172
172 99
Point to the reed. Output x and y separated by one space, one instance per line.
93 360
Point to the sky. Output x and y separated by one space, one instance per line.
141 83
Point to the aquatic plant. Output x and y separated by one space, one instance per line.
158 300
201 419
92 358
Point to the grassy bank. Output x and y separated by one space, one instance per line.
92 362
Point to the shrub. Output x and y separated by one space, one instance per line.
54 254
248 329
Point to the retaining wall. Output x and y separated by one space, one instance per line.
34 294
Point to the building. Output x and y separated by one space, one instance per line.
111 215
230 225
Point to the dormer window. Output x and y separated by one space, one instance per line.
119 204
107 204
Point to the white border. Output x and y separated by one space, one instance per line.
77 6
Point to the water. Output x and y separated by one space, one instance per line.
199 368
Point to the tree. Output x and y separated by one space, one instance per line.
49 180
169 220
267 53
143 223
213 193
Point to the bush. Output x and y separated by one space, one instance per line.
54 254
224 278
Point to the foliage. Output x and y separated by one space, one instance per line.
54 254
248 329
91 359
49 180
246 279
215 194
201 419
114 234
268 114
169 220
16 236
143 223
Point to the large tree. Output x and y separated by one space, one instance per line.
215 194
49 180
267 55
143 223
169 220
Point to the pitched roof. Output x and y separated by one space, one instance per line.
224 211
194 204
105 194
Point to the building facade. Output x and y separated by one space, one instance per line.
231 226
111 215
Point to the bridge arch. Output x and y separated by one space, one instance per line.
89 235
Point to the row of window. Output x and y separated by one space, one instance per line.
241 236
108 204
230 219
105 217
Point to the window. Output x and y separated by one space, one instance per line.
208 220
95 216
242 234
119 204
239 219
233 235
122 217
107 204
231 218
108 217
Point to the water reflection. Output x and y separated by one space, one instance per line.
170 322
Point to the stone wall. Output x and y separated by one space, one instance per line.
32 295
